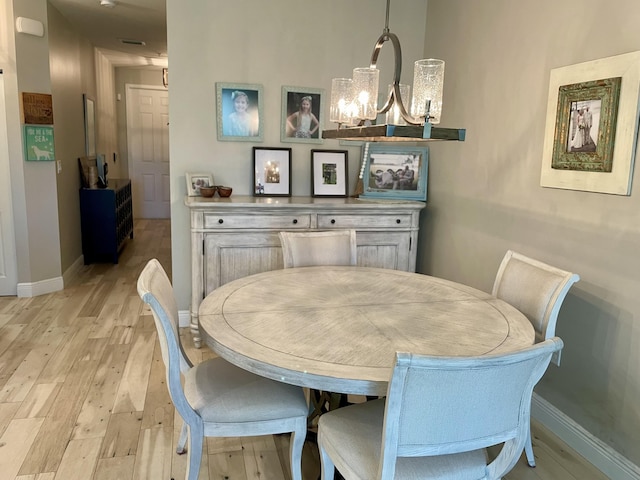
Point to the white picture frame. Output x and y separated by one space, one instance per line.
197 180
618 181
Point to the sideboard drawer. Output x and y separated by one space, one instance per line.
257 221
364 221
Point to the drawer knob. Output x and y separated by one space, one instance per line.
220 220
333 220
397 220
295 220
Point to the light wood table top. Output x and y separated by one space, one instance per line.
338 328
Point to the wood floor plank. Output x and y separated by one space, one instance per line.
39 400
31 367
94 415
120 468
153 458
16 440
122 435
49 446
135 378
7 413
65 356
79 460
158 408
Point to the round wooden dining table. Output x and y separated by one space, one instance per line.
338 328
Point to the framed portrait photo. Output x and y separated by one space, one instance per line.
395 172
329 173
302 115
197 180
591 127
239 112
271 172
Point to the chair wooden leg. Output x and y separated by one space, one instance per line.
528 449
181 448
296 444
196 441
326 465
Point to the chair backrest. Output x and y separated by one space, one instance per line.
154 288
305 249
442 405
534 288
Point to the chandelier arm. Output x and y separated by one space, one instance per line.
394 95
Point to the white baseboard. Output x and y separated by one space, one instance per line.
594 450
184 318
40 288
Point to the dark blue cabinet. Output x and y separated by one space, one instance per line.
106 217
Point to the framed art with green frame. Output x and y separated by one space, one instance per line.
39 144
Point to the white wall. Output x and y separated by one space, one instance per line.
281 42
485 194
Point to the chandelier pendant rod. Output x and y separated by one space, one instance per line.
394 94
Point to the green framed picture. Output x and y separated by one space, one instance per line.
39 145
586 125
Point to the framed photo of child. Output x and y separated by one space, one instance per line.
239 112
302 115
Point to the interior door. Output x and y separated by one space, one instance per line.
8 263
148 146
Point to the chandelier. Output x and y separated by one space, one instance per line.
354 101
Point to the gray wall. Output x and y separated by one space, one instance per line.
34 184
72 68
282 42
485 195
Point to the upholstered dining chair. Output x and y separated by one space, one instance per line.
537 290
219 399
439 415
307 249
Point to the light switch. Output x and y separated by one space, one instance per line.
59 165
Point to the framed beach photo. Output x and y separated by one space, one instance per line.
197 180
239 112
271 172
302 115
592 125
395 172
329 173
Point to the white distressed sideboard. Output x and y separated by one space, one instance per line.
238 236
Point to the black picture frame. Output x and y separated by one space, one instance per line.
329 173
271 172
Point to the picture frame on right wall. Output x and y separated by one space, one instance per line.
592 125
396 172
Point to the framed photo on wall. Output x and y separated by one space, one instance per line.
329 173
271 172
395 172
302 115
239 112
592 125
89 125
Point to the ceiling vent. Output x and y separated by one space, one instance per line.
132 42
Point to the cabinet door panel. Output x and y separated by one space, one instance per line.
231 256
384 250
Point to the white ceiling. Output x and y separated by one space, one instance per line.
133 20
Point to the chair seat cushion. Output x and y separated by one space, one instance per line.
353 435
223 393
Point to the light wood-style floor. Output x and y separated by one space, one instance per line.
83 396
